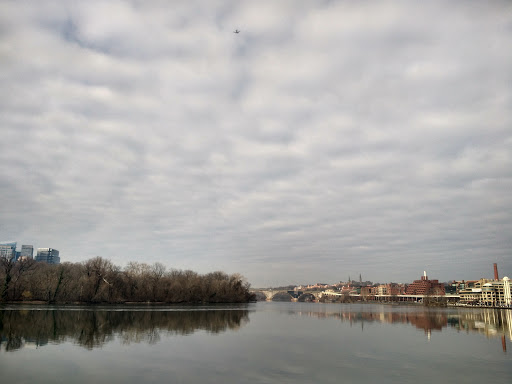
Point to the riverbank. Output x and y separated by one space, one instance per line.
401 303
127 303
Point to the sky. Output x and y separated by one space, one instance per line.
327 139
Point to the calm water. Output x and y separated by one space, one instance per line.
255 343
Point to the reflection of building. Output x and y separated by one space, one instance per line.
428 321
425 287
493 323
48 255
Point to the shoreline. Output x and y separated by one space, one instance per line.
395 303
128 303
160 304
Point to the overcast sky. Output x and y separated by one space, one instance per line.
327 139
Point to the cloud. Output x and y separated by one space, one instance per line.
323 140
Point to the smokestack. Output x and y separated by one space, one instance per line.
496 272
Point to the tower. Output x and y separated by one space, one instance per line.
8 250
48 255
27 251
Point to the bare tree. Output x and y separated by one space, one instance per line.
6 269
99 280
19 271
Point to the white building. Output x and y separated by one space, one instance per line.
494 293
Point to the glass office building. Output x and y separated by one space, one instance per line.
48 255
27 252
8 250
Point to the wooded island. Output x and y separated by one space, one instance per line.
98 280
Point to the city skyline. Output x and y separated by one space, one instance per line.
325 139
51 255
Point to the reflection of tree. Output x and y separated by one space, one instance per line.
94 328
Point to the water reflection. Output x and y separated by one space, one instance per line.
94 328
490 322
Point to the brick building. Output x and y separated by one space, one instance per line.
425 287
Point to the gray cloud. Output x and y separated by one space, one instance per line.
325 140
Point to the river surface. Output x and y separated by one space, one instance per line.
255 343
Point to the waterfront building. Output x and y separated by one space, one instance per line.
391 289
450 288
486 292
492 293
27 251
396 289
461 285
382 289
374 290
8 250
470 292
366 291
48 255
425 287
507 291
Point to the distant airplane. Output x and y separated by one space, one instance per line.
236 31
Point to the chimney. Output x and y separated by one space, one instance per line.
496 272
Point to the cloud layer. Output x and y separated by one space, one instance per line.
326 139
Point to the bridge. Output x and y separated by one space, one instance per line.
296 295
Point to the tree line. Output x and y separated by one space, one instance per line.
98 280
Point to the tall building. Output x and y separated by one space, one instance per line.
8 250
27 251
48 255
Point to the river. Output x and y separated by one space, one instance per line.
266 342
